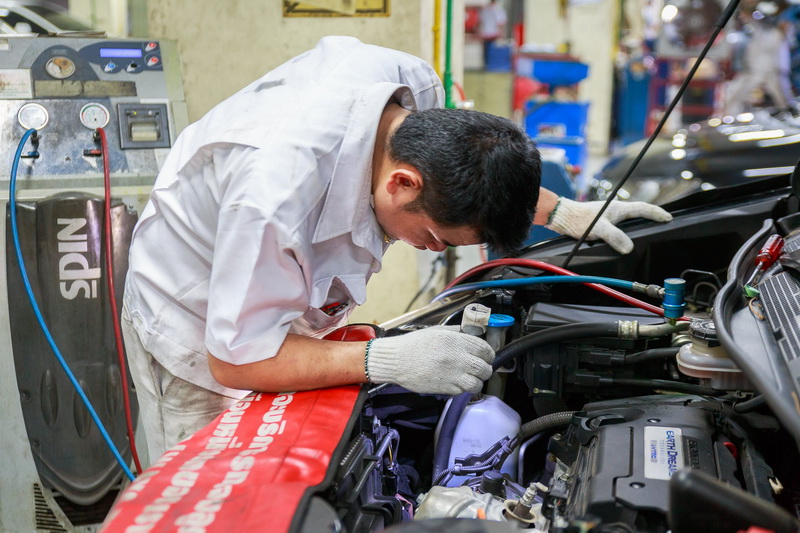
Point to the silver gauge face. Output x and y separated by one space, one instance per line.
60 67
33 116
94 115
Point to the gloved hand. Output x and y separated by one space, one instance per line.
434 360
572 218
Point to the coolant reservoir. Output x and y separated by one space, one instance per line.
705 358
485 420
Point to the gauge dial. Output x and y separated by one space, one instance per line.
60 67
94 115
33 116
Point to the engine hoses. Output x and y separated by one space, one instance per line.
38 313
538 280
112 296
665 384
601 329
555 334
505 446
654 354
541 265
441 472
543 423
509 352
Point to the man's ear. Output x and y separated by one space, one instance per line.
404 180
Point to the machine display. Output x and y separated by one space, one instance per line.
99 117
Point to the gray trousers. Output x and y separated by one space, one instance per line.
170 408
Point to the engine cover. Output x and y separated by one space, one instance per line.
615 461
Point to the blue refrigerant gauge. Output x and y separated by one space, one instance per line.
94 115
33 116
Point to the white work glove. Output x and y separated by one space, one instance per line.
572 218
434 360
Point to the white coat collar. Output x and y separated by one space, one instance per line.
347 205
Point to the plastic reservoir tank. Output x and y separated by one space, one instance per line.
486 418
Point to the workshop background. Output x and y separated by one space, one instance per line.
615 100
588 80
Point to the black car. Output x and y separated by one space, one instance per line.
720 152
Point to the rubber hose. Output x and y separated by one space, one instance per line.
555 334
659 330
750 405
649 355
543 423
677 386
441 456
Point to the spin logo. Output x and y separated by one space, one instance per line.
76 278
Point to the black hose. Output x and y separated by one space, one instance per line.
749 405
580 330
664 384
650 355
447 431
543 423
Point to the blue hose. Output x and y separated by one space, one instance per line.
538 280
15 233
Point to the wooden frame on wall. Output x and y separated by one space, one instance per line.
337 8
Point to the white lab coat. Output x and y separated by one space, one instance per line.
491 21
766 65
261 215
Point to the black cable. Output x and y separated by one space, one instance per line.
650 355
427 282
664 384
580 330
723 19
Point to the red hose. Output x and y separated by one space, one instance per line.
113 298
541 265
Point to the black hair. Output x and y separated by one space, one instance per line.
479 170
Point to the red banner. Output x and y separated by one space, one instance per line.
248 470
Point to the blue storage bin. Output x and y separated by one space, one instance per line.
556 119
631 103
552 72
498 57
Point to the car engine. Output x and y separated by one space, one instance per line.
601 415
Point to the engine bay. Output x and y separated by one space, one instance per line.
602 414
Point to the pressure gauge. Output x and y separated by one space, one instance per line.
94 115
33 116
60 67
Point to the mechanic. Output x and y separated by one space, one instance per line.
492 20
272 211
767 64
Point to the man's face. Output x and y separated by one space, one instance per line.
420 231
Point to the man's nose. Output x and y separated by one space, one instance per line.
437 246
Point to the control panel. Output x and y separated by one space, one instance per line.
66 87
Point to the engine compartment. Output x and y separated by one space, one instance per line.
601 416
